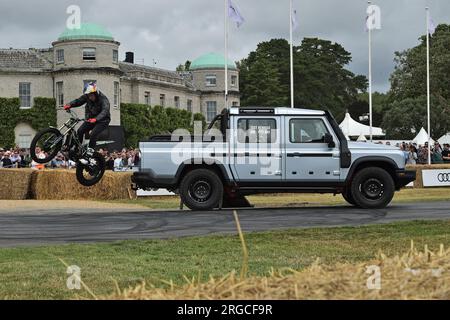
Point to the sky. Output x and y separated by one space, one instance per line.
166 33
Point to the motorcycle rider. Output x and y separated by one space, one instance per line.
97 114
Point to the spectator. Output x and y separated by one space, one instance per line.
39 155
118 163
16 158
412 155
446 153
6 161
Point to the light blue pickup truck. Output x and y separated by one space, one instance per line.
270 150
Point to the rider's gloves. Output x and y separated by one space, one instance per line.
67 107
93 120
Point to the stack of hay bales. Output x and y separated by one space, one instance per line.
63 185
21 184
15 184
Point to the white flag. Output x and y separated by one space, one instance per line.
234 14
431 26
294 19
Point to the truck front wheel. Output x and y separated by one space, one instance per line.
372 188
201 189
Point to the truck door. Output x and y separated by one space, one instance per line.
307 156
257 148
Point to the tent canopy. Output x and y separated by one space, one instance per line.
445 139
353 128
362 138
422 137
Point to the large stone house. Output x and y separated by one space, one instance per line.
91 53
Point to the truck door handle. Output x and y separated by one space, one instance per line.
294 155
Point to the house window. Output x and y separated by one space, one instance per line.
116 94
115 56
233 81
211 80
24 141
89 54
177 102
162 100
25 94
235 104
148 98
211 110
60 56
189 105
60 94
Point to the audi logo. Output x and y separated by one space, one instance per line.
443 177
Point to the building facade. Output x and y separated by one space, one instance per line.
92 54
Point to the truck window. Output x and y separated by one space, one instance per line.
307 131
257 130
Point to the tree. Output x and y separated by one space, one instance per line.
321 80
184 67
409 77
407 104
406 117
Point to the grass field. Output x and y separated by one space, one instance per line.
290 200
37 273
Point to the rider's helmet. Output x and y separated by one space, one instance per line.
90 87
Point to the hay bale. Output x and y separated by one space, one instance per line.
15 184
63 185
414 275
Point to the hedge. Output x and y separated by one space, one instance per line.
40 116
141 121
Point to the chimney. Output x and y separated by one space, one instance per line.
129 57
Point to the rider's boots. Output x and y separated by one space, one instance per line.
88 155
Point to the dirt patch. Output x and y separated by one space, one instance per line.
36 205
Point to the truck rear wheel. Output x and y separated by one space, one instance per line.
201 189
372 188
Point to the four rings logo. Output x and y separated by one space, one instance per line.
443 177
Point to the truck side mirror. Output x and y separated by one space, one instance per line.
328 138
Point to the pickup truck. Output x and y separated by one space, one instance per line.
270 150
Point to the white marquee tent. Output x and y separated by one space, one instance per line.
362 138
422 137
445 139
353 128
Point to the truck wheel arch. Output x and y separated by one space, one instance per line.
219 168
381 162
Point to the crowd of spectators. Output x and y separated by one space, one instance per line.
124 160
127 159
418 154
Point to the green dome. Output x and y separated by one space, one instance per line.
86 32
211 61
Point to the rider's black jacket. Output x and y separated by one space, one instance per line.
98 109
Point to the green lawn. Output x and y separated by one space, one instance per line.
284 200
27 273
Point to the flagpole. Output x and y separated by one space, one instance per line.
291 54
370 79
428 85
226 51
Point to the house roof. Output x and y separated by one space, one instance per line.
87 31
211 61
24 60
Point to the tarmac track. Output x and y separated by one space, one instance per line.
46 227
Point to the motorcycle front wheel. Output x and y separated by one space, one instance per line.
49 141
